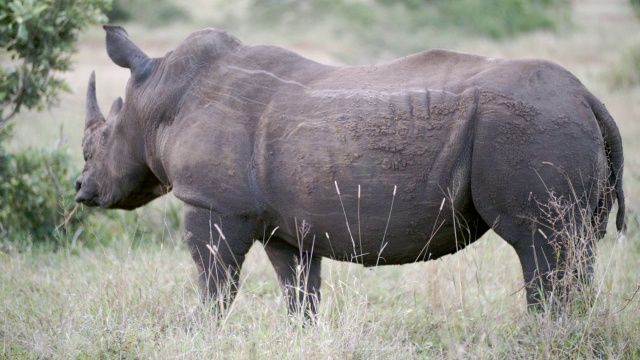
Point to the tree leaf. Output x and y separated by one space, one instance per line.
22 32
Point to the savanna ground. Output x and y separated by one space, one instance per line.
134 298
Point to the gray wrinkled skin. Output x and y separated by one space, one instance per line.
256 137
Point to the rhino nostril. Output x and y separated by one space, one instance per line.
78 185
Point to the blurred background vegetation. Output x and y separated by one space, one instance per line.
151 13
492 18
388 27
39 38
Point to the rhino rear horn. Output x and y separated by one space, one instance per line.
93 113
115 108
123 52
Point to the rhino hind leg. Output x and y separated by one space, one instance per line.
556 264
550 229
218 254
299 276
538 260
541 199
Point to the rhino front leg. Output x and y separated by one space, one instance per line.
299 276
218 254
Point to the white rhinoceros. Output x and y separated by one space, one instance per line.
254 138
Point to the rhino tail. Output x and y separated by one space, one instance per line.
613 147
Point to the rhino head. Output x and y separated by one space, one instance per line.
116 174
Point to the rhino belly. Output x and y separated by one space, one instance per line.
376 234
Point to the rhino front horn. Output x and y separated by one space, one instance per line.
93 114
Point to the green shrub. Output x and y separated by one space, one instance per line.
37 207
36 194
148 12
39 38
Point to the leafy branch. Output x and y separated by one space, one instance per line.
38 39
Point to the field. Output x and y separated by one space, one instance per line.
129 298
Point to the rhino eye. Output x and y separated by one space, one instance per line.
87 154
103 137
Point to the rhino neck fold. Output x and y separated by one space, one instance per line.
159 98
155 153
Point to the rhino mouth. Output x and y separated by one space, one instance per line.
86 196
134 200
83 197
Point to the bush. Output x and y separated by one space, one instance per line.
36 194
37 207
149 12
39 38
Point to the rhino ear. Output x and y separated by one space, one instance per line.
93 114
125 53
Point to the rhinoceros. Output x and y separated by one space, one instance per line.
404 161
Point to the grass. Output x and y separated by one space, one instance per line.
627 73
140 301
130 298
